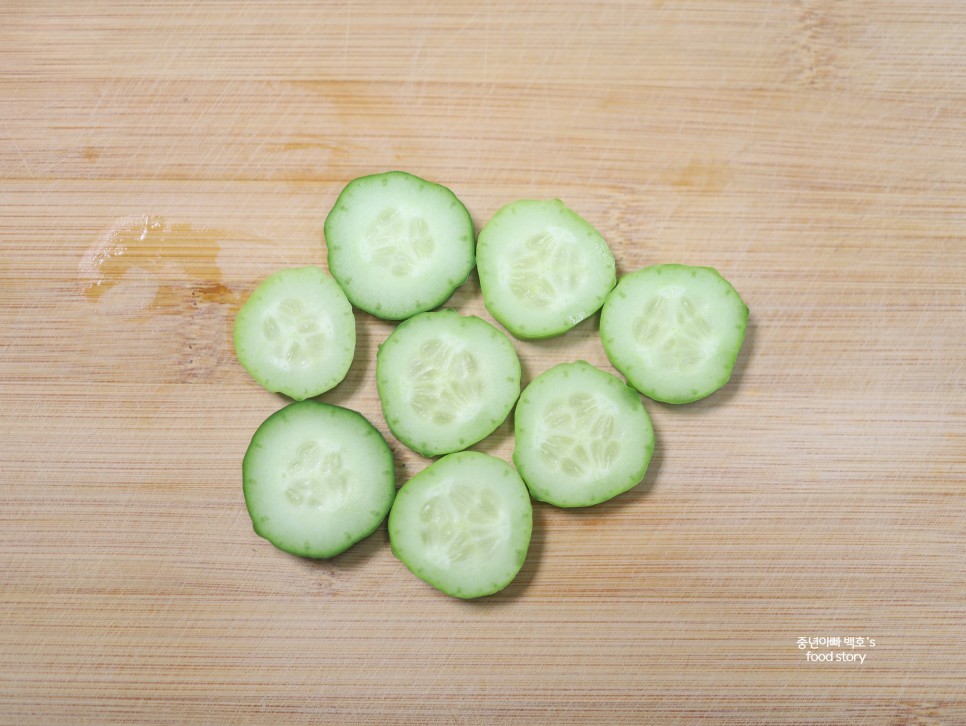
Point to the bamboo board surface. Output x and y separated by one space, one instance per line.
158 159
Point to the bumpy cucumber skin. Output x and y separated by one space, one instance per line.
342 275
248 483
606 490
257 374
625 366
407 490
491 301
428 447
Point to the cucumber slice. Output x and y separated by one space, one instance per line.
581 436
398 244
296 334
674 331
463 524
317 479
446 381
542 268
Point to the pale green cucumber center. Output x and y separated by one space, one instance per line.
462 523
447 383
581 436
293 331
674 332
316 477
398 242
548 268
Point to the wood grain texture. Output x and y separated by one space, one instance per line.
158 159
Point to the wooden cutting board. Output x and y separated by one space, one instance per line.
158 159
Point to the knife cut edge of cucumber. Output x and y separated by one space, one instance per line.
317 479
398 244
674 331
296 333
542 268
446 381
463 524
581 436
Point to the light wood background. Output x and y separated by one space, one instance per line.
158 159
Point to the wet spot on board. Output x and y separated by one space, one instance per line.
821 30
701 176
173 289
145 263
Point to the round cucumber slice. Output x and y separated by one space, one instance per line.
581 436
463 524
542 268
317 479
674 331
296 333
398 244
446 381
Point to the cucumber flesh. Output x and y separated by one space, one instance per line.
317 479
296 334
581 436
542 268
446 381
398 244
674 331
463 524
